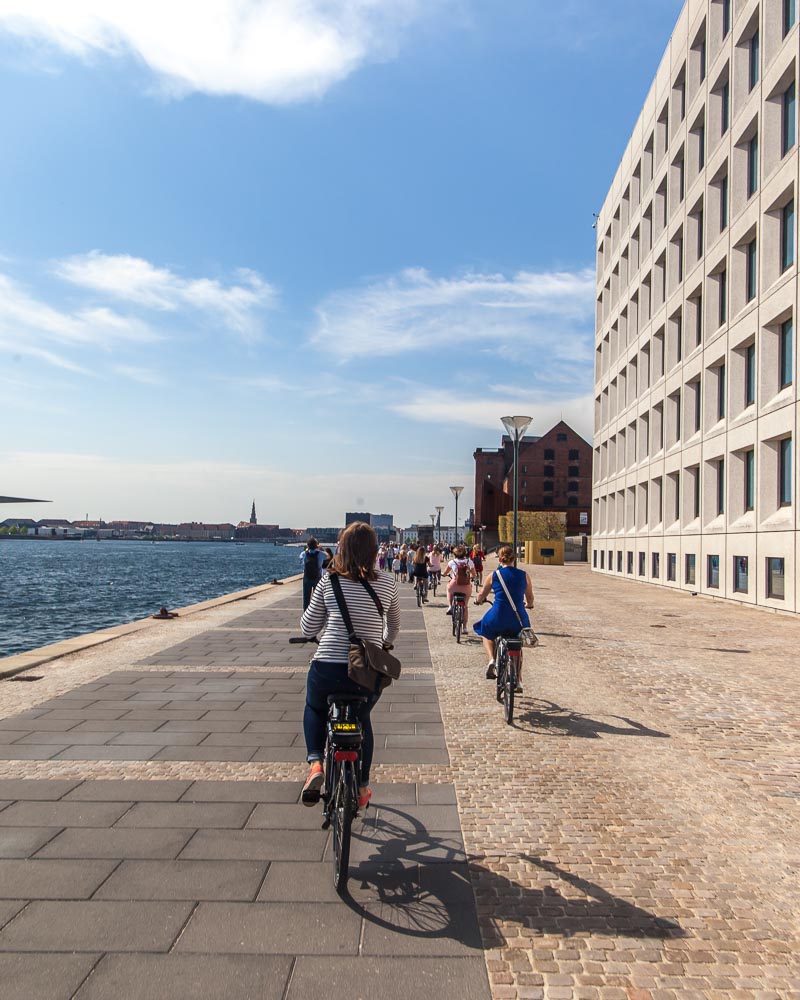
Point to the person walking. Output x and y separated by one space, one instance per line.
501 618
354 567
312 558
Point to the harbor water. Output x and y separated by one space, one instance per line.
53 590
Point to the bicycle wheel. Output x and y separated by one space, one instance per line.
343 810
509 687
500 668
458 614
419 595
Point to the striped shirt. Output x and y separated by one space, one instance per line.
323 614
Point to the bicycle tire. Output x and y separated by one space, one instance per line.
509 687
343 811
419 596
500 668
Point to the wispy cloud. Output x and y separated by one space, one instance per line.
276 51
144 376
447 407
239 305
416 311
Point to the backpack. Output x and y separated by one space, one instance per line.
462 574
311 568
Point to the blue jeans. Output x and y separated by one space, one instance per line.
324 679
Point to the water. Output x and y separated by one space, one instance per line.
54 590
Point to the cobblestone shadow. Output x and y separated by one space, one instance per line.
558 721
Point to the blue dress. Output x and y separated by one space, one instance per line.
500 618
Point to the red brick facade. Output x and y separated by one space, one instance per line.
555 474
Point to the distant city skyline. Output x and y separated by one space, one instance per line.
312 259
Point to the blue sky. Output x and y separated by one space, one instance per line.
303 252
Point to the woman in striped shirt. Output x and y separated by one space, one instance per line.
327 674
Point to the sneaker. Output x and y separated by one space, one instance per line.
449 611
491 673
363 800
518 688
313 785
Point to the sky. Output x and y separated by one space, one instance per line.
306 252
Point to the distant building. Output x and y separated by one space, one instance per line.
555 474
352 517
253 518
200 532
326 536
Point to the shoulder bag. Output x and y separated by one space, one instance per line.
368 663
529 637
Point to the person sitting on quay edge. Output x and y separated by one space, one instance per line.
462 573
312 558
327 674
501 618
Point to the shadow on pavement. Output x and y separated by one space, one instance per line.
560 721
548 911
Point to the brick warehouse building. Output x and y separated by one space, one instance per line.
555 474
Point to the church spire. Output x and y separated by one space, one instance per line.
253 519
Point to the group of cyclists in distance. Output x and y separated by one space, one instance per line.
369 578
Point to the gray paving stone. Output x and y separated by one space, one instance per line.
29 752
96 925
417 819
164 739
443 795
188 977
108 752
272 928
387 847
70 739
389 978
43 977
202 726
274 816
249 740
386 793
292 881
115 726
256 845
14 724
294 754
130 790
408 755
33 789
9 736
157 844
75 814
394 742
52 879
22 841
9 908
208 815
184 880
243 791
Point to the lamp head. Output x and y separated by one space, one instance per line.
456 491
516 426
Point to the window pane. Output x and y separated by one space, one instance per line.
787 236
690 568
723 202
775 579
787 363
750 376
754 60
726 17
721 486
752 269
752 166
723 296
788 124
740 574
749 479
721 393
786 472
789 15
713 572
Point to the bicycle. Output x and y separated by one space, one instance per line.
458 608
508 662
344 739
420 587
433 582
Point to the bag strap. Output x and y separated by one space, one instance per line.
370 590
510 601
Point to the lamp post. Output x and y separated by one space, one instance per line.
456 491
516 427
439 508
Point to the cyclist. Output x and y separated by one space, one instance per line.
500 619
419 570
435 566
462 573
477 556
354 563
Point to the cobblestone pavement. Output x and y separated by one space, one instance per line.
636 833
633 836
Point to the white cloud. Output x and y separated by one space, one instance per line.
276 51
238 305
447 407
415 311
145 376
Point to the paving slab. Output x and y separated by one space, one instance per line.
188 977
208 815
43 977
183 880
52 879
250 845
74 814
113 843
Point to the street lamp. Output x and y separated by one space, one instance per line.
516 427
439 508
456 491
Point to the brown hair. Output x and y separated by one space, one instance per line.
506 555
460 551
419 557
358 550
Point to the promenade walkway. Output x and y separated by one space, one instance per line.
634 836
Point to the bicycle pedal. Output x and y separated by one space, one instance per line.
325 824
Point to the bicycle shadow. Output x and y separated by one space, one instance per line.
558 721
408 881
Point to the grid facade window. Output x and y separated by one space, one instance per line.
712 572
726 18
754 61
788 119
785 472
690 573
722 279
752 270
776 579
671 566
721 392
723 203
787 236
720 471
786 357
741 582
750 375
752 166
789 15
749 479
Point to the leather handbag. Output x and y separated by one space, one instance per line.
368 664
529 637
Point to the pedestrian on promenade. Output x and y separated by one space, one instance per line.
396 564
410 564
354 565
312 558
461 573
501 618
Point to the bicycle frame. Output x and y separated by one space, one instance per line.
508 662
342 768
459 604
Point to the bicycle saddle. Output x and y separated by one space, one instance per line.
347 699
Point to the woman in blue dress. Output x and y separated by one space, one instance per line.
501 618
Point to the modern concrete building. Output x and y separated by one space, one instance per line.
694 481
